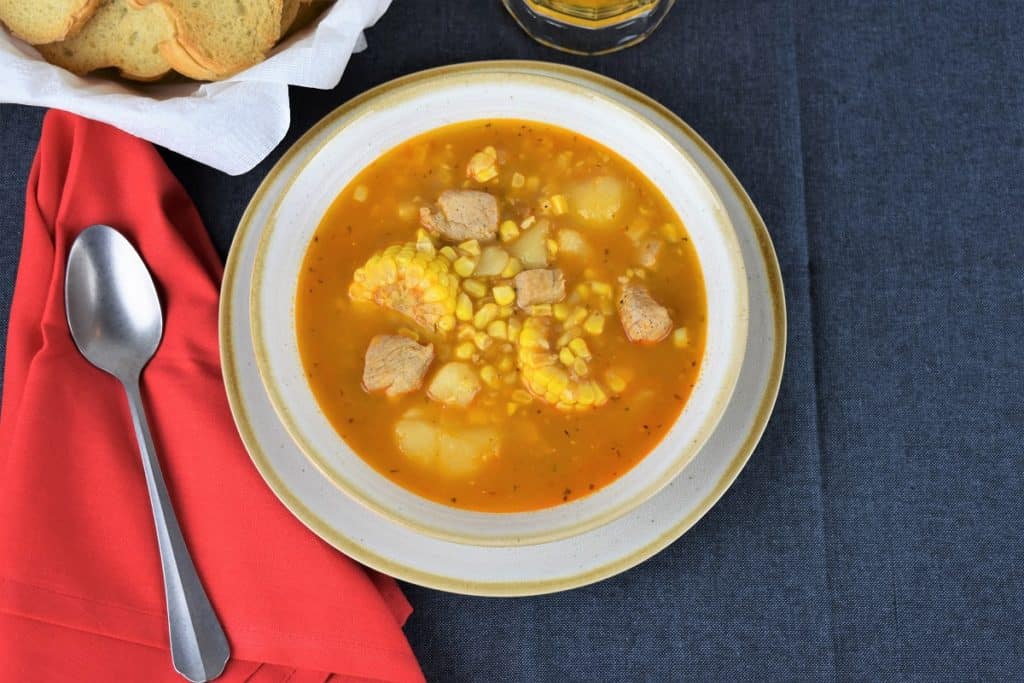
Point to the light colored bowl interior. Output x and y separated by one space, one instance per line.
405 112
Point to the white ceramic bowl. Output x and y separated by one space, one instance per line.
402 113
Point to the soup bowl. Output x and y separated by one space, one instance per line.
395 114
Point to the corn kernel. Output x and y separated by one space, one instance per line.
560 311
522 396
506 311
464 307
583 289
558 205
552 246
489 374
448 253
470 247
514 328
532 183
527 222
506 364
681 338
511 408
503 295
518 180
406 211
616 382
579 367
465 350
540 309
594 324
512 268
601 288
435 294
483 165
482 341
578 315
485 174
446 323
508 230
670 232
464 266
466 332
498 329
485 315
361 193
565 355
559 380
530 337
475 288
580 348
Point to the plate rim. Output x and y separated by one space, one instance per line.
531 587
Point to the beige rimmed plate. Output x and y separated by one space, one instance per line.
402 552
359 136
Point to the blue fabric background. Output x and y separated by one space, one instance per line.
877 532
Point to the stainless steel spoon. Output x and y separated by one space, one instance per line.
116 322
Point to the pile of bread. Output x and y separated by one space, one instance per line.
148 39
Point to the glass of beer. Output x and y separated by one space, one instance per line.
590 27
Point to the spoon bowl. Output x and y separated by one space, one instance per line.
112 305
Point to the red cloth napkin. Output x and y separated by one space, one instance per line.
81 594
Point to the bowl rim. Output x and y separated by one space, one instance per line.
402 89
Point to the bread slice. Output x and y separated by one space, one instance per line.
45 21
309 10
289 10
217 38
118 35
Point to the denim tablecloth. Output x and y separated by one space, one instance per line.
877 532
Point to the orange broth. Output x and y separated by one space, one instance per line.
544 455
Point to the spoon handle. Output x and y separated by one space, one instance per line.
199 648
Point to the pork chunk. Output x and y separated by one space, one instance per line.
644 319
463 215
539 286
395 364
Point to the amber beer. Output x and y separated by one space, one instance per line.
593 11
589 26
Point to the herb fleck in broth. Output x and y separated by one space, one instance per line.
498 431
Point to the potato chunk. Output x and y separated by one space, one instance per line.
493 260
452 451
648 252
597 201
395 364
454 384
644 319
571 242
531 248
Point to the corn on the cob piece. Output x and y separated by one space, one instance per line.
416 283
558 376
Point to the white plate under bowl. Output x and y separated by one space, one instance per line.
358 134
398 550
